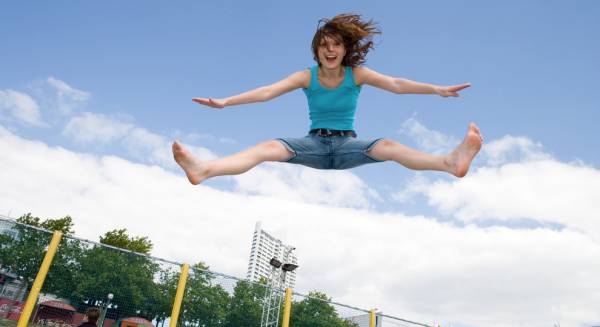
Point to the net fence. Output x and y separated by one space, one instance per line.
391 321
316 309
22 250
126 288
121 288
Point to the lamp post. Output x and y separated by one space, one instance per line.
273 295
287 267
100 323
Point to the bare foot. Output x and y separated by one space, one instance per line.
460 159
195 169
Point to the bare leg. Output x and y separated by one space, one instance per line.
197 170
456 163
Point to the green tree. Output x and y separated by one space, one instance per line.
316 311
128 276
166 288
245 307
204 304
22 249
22 252
65 224
120 239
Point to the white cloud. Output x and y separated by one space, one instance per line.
519 181
67 98
203 137
415 186
95 128
21 107
148 147
340 188
143 143
50 93
411 266
428 140
543 190
511 149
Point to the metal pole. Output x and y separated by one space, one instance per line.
287 308
100 322
185 268
372 319
39 280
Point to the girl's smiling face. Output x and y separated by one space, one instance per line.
331 52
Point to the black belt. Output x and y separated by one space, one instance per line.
331 132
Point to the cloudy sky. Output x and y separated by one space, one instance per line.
92 94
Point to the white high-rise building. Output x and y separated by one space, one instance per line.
264 248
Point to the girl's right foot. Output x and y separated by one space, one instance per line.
195 170
460 159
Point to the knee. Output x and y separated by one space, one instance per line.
386 144
383 149
273 150
270 146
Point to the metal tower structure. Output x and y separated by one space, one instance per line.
274 293
273 298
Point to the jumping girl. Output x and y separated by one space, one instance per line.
332 87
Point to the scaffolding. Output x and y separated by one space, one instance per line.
274 294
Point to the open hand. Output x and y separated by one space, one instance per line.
214 103
451 91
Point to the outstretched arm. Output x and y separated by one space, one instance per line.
404 86
261 94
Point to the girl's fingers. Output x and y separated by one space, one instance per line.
459 87
200 100
206 102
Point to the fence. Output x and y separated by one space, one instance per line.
47 279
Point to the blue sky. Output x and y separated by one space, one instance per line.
532 66
114 78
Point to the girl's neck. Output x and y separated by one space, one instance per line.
332 73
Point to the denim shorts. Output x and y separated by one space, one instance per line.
329 152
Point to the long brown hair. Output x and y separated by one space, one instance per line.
350 30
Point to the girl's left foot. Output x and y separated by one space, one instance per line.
195 170
460 159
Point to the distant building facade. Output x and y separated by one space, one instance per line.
11 287
264 248
365 320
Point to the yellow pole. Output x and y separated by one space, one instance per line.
372 318
287 308
39 280
185 268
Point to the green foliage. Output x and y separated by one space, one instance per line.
23 253
129 277
166 289
120 239
245 307
62 276
65 224
204 304
85 273
315 311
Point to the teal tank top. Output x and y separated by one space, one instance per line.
332 108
